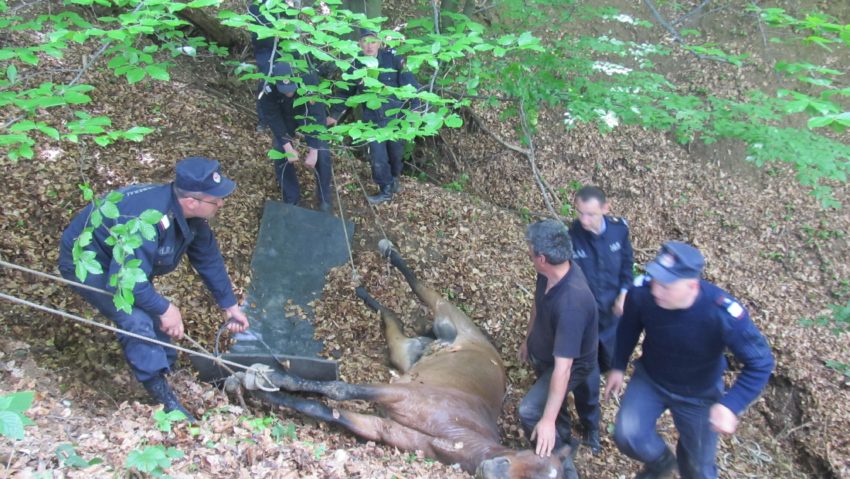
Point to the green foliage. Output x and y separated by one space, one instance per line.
67 456
611 81
153 460
459 184
12 418
165 420
123 237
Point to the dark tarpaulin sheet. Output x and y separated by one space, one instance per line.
296 248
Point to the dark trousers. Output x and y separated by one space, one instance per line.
146 360
287 178
640 408
387 159
586 394
533 404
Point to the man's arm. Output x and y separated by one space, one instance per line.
750 348
627 261
523 347
545 430
205 257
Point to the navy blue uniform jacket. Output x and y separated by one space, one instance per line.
683 350
175 235
606 259
393 74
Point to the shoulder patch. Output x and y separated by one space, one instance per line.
164 223
732 307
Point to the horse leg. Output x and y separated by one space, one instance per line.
448 319
366 426
404 351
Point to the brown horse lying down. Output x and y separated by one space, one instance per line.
446 403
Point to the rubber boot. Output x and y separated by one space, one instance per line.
161 392
386 194
396 187
659 468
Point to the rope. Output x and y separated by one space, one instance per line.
53 277
80 319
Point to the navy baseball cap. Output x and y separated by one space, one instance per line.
365 32
283 69
675 261
202 175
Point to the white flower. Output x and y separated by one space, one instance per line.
609 117
610 68
622 18
568 119
188 50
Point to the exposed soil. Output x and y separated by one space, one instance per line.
765 240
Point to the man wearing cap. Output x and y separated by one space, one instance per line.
386 156
186 204
604 252
688 324
283 117
561 339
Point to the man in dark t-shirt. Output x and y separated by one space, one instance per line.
561 340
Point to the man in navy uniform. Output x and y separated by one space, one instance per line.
688 324
277 103
386 156
186 204
604 252
561 339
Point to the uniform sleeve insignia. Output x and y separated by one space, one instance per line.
164 223
733 308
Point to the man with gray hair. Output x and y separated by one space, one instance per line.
561 341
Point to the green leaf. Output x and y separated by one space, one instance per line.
11 425
135 75
202 3
157 72
109 210
17 402
148 232
819 121
11 73
151 216
453 121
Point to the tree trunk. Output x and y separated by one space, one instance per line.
214 30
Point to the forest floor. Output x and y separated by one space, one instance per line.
765 239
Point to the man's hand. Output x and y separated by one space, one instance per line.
312 157
722 419
292 153
522 354
617 308
545 433
330 121
238 322
171 322
613 383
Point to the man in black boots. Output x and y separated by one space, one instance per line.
186 205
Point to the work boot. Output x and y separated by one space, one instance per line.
590 438
161 392
386 194
396 187
659 468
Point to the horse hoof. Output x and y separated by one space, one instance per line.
385 246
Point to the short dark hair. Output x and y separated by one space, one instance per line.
587 193
551 239
181 193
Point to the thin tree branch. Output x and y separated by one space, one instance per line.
676 36
533 161
691 13
507 145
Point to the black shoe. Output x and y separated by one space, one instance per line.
386 194
161 392
396 185
590 438
659 468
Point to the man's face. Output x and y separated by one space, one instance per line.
676 295
590 214
535 259
205 206
370 46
